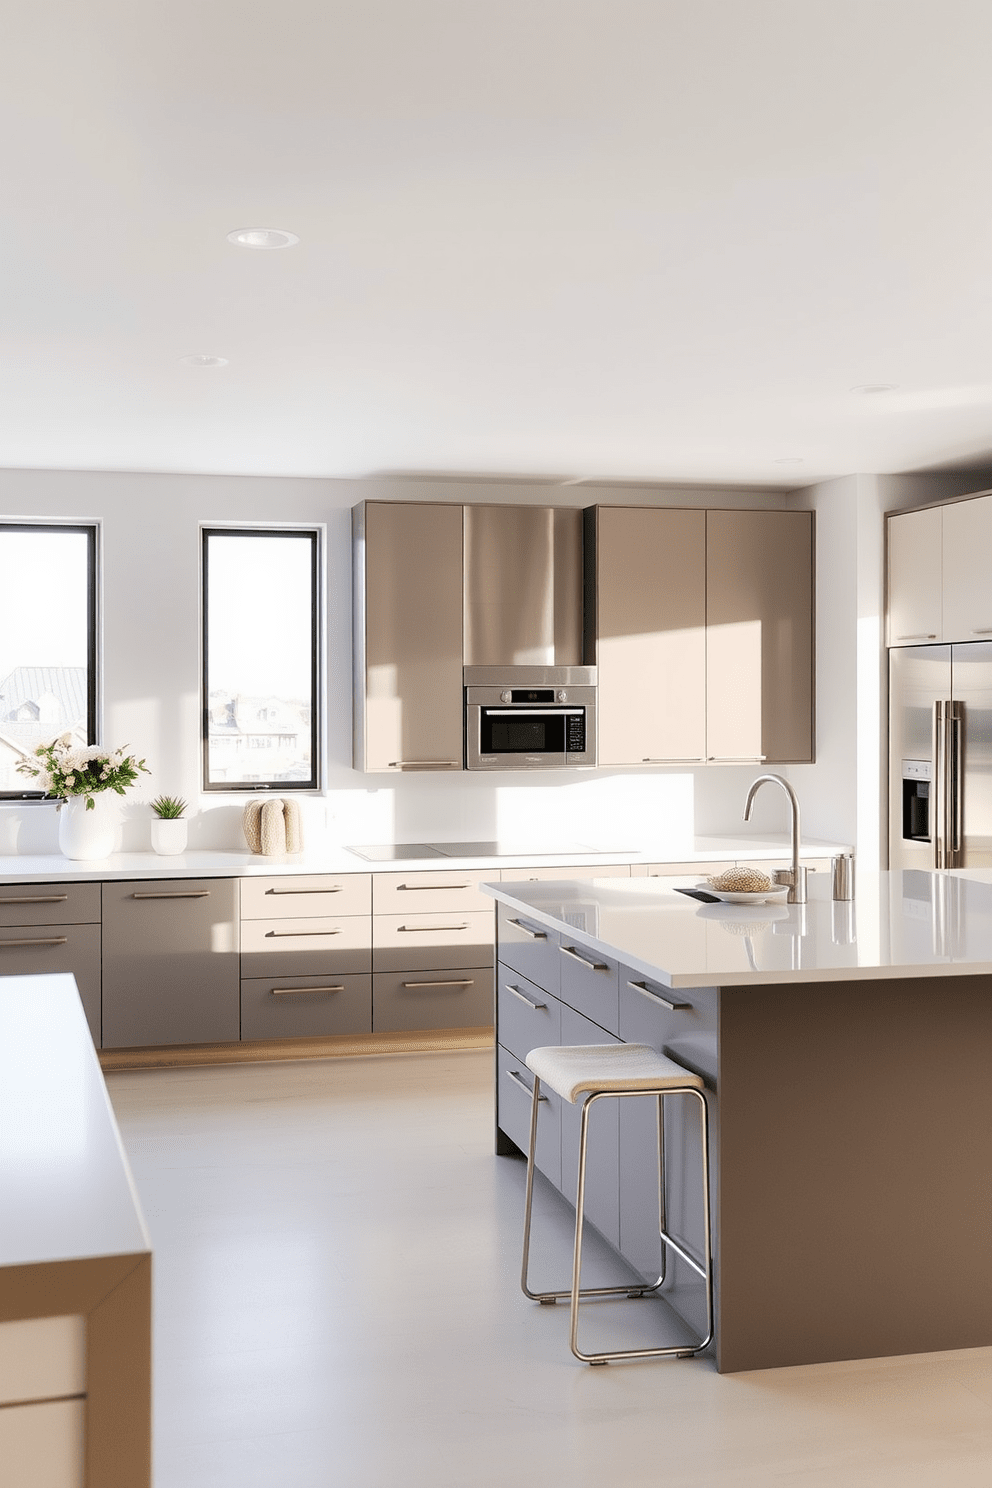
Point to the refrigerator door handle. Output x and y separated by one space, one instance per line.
938 787
955 782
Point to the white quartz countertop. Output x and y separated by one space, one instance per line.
212 863
66 1188
904 924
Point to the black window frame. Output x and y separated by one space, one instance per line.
280 787
89 530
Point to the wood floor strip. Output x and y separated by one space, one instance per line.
341 1046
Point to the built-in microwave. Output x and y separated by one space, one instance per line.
530 718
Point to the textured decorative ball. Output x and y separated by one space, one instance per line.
741 881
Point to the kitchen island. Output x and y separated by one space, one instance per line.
846 1050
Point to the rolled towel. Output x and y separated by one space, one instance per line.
273 827
251 824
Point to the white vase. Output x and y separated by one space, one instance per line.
86 834
169 835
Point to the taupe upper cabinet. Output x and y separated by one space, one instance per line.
759 635
649 623
408 636
939 584
915 541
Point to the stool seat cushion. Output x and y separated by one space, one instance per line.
574 1070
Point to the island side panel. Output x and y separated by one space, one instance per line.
856 1146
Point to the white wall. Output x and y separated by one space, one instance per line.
151 650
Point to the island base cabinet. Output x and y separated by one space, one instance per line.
171 969
306 1007
450 997
515 1085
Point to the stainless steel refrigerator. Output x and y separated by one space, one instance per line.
940 756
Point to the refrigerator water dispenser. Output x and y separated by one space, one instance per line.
916 776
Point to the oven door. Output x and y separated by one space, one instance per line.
498 737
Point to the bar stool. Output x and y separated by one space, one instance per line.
614 1071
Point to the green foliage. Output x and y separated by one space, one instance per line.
169 808
64 768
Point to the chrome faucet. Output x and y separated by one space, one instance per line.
796 876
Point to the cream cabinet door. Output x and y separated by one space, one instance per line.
759 635
966 566
915 566
650 628
408 592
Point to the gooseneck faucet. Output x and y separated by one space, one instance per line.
796 876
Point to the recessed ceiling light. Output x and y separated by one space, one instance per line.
262 237
203 359
789 460
868 389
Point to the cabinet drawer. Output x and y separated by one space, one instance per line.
565 871
528 947
306 1007
458 997
429 941
602 1203
50 904
526 1017
589 983
296 896
699 871
305 947
686 1032
72 948
514 1086
423 893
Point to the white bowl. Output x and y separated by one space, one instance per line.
727 896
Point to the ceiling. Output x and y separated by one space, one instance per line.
649 241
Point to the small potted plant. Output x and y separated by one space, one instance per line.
169 827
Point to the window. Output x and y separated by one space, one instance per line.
260 659
48 610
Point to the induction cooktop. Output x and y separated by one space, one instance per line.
402 852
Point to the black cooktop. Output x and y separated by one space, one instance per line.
402 852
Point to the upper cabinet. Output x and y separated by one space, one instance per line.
647 618
759 635
703 630
939 583
408 636
915 577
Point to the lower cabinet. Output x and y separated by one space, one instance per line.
51 928
458 997
171 970
306 1006
514 1095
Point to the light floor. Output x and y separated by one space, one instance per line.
337 1306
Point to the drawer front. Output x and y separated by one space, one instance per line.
299 895
699 871
50 904
306 1007
590 984
425 893
565 871
431 941
527 1018
72 948
602 1203
458 997
528 947
305 947
514 1086
686 1033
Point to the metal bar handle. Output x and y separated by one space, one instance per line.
512 1075
465 982
296 934
736 759
335 889
292 991
939 792
537 1006
986 630
534 934
645 991
47 940
36 899
585 961
924 635
426 929
425 764
669 759
428 888
531 712
175 894
955 763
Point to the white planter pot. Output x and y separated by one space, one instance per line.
87 834
169 835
